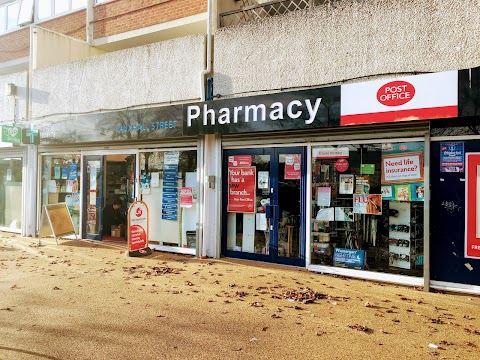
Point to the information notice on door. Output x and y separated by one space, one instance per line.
293 166
241 189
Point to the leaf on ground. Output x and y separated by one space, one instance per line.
362 328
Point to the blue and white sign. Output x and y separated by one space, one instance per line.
452 157
350 258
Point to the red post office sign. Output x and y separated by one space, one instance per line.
137 226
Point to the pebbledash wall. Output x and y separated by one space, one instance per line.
136 77
345 41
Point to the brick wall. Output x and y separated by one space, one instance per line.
72 24
15 45
120 16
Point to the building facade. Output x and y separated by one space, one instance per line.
338 135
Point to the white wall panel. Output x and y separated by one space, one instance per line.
347 40
163 72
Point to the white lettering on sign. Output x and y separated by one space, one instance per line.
295 109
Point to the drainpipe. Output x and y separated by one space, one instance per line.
89 22
203 75
208 69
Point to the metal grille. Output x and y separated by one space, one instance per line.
250 10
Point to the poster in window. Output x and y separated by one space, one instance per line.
73 169
346 184
263 180
324 195
402 192
362 184
367 204
293 166
241 189
402 168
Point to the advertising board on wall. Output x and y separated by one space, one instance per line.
472 206
137 226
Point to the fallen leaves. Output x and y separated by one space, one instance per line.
362 328
304 295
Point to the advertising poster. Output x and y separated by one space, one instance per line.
186 197
326 214
263 180
324 195
387 192
402 168
240 160
73 169
346 184
350 258
402 193
241 189
342 165
417 192
367 204
343 214
362 184
171 158
452 157
367 169
472 202
137 226
293 166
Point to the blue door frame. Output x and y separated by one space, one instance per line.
274 210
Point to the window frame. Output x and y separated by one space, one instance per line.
5 6
52 10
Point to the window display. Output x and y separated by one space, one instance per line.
168 185
61 183
367 207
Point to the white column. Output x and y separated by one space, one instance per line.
29 190
212 196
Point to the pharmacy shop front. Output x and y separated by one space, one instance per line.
92 161
333 179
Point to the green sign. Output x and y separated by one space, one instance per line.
11 134
367 169
30 137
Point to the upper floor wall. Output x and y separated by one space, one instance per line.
346 40
112 24
13 107
160 73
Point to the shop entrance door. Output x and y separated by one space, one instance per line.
263 202
108 177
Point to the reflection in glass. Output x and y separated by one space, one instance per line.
367 207
11 193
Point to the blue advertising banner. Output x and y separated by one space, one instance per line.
170 183
169 200
452 157
350 258
169 217
170 205
169 212
170 176
168 191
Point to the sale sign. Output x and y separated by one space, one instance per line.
404 168
241 189
137 226
293 166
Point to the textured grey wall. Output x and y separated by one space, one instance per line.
7 104
152 74
348 40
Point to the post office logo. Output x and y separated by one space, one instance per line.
395 93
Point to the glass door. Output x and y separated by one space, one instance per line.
264 194
93 196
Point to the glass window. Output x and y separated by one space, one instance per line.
168 185
61 183
26 12
78 4
11 193
44 9
12 15
61 6
3 21
367 207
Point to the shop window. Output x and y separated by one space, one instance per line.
168 185
367 203
61 183
11 193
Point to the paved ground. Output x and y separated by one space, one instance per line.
87 300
